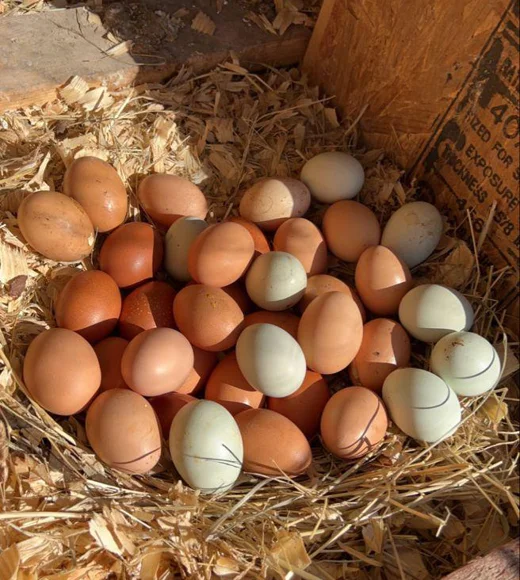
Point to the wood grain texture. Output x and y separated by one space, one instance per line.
500 564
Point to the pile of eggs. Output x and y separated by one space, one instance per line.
221 338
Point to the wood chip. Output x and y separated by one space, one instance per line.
202 23
74 90
13 262
120 48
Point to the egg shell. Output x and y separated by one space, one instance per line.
97 187
330 332
431 311
109 353
177 243
261 243
385 347
276 281
123 431
302 239
208 317
61 371
56 226
206 446
273 445
382 280
89 304
238 292
204 362
167 406
413 232
332 176
467 363
166 198
285 320
421 404
132 254
148 306
353 422
220 254
305 406
228 386
271 201
350 228
157 361
271 360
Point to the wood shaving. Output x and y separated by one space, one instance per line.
202 23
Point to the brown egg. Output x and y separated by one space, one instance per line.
166 198
384 348
228 386
261 243
269 202
157 361
61 371
284 320
237 291
148 306
350 228
109 353
272 443
330 332
305 406
302 239
323 283
220 254
203 364
132 254
123 430
208 317
382 279
167 406
97 187
353 422
89 304
56 226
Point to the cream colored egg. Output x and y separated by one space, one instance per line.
177 243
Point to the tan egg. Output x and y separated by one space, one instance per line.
285 320
148 306
167 406
109 353
330 332
269 202
323 283
350 228
97 187
157 361
305 406
228 386
220 254
208 317
132 254
123 430
302 239
382 279
56 226
61 371
89 304
166 198
204 363
384 348
273 445
354 421
261 243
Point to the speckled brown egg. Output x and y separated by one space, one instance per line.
132 254
284 320
148 306
167 406
89 304
97 187
204 362
302 239
228 386
123 430
272 443
109 352
382 279
56 226
61 371
261 243
353 422
208 317
305 406
166 198
157 361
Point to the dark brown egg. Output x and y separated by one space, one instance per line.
237 291
167 406
204 362
110 352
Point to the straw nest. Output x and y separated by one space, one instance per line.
404 511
